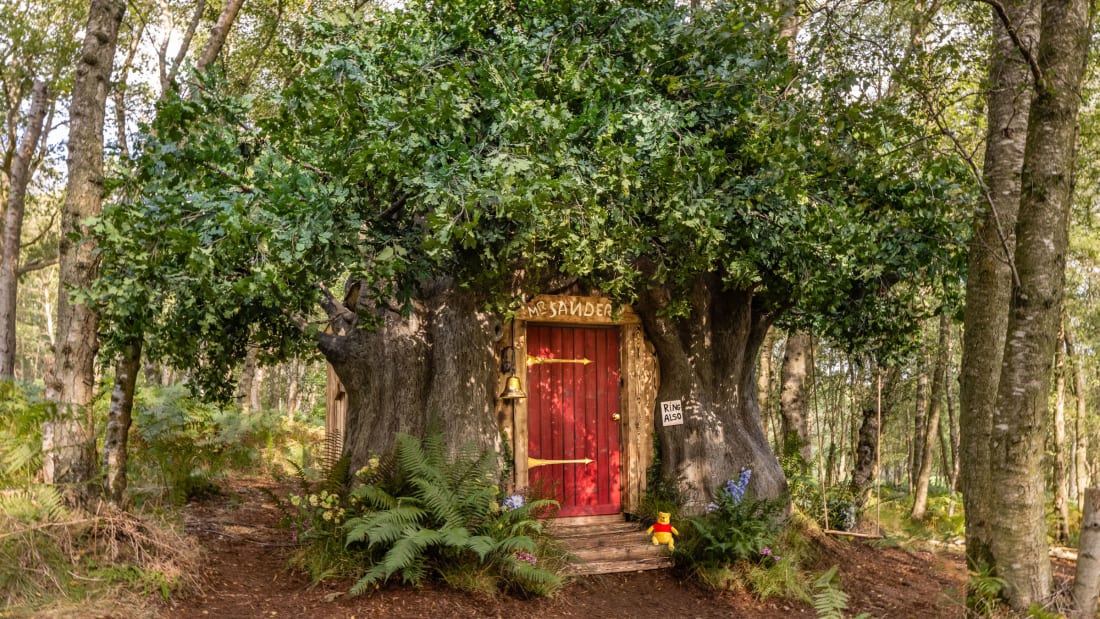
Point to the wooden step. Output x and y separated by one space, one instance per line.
604 545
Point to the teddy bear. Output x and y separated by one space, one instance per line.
662 531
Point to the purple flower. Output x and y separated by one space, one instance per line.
736 489
712 506
765 551
513 502
526 556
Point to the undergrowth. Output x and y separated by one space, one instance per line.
417 514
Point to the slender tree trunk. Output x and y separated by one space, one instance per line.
1061 477
990 272
935 403
119 417
1080 431
920 416
218 34
68 441
867 456
245 383
764 385
1086 581
793 406
1017 507
953 433
13 226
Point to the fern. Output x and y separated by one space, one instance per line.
830 601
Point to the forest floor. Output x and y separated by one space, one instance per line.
246 575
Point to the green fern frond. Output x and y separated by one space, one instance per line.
830 601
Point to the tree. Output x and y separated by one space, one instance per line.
483 153
68 444
1015 510
792 400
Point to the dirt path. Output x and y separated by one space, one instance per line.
246 577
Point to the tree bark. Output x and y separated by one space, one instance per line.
218 34
989 283
1061 476
119 417
931 430
708 361
435 369
920 413
867 445
1017 508
68 441
792 400
13 226
764 387
1080 453
1086 580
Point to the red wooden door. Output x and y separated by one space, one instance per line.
572 414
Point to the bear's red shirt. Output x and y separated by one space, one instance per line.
662 528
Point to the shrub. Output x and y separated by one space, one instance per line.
416 514
736 527
22 412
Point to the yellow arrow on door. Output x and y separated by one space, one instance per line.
533 462
540 360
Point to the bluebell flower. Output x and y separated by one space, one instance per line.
736 489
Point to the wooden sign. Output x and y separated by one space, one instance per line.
576 310
672 413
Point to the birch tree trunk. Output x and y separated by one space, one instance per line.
68 441
119 417
13 226
1017 507
1081 437
931 430
990 270
1061 477
1086 581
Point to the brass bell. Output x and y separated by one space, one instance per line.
512 389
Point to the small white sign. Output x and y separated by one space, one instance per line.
672 413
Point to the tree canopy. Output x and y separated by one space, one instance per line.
628 145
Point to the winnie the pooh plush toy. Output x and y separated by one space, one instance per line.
662 531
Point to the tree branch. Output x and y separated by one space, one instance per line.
1025 52
36 265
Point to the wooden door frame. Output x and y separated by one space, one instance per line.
639 380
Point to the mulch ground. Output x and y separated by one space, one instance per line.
246 576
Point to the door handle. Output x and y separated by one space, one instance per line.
616 417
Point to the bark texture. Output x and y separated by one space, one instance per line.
119 417
1086 582
1016 509
708 361
68 442
792 399
1080 452
989 283
13 225
931 430
867 442
436 368
1061 470
218 34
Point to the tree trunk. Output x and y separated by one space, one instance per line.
1086 580
931 431
990 273
436 369
218 34
13 226
920 412
1017 507
68 441
1081 436
867 446
119 416
764 387
1061 477
792 400
707 360
244 383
